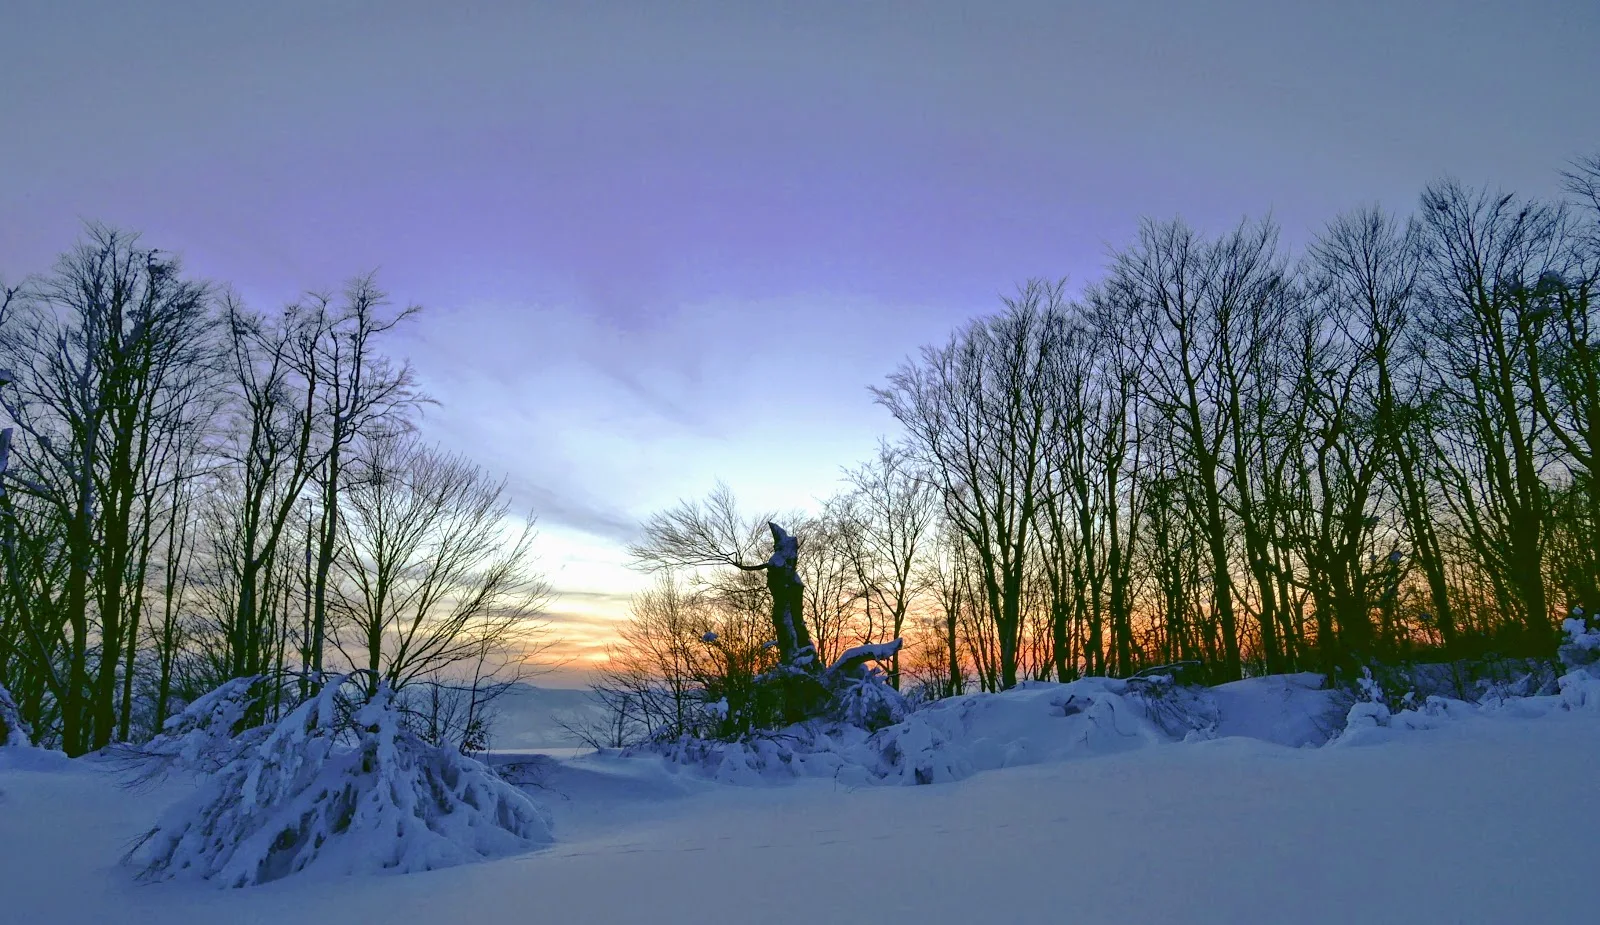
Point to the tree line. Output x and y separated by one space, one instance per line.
192 491
1220 456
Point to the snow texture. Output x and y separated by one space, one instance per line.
338 786
1478 818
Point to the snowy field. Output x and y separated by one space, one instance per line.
1489 816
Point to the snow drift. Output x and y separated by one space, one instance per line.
1043 722
1034 723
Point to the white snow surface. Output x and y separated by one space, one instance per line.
1074 802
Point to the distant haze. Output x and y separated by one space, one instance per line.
532 717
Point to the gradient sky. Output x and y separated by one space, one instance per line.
660 244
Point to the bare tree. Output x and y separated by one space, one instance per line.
656 673
364 394
273 448
977 412
892 507
433 575
831 573
111 343
711 541
1570 406
1487 318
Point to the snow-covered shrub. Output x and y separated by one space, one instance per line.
861 693
851 691
208 733
1581 648
1367 714
1496 692
868 702
1178 710
1580 653
1370 722
1580 690
1369 711
340 785
14 732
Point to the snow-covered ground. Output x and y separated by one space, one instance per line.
1487 816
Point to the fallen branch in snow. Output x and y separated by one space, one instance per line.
852 661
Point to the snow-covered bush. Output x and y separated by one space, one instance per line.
861 693
1497 692
1580 653
1370 711
1367 714
1580 690
338 785
13 731
1581 648
853 691
1370 722
208 733
868 702
1178 710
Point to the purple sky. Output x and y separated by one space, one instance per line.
663 243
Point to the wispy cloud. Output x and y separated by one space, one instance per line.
603 598
569 507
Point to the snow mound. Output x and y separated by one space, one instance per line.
952 739
1042 722
341 787
1295 710
34 760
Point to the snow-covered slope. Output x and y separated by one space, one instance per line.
1037 722
1484 817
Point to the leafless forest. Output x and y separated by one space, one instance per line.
1219 455
194 492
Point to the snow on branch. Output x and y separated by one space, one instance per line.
14 732
851 660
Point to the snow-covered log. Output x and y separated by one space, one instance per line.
340 786
853 661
